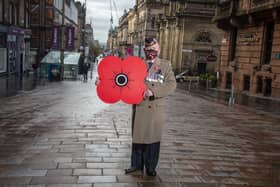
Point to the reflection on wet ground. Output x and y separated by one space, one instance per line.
258 103
61 135
15 84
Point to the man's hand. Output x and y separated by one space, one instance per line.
148 93
97 80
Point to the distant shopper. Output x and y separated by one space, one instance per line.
81 63
86 67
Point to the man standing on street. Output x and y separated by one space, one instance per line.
148 116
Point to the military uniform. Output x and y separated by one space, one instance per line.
148 116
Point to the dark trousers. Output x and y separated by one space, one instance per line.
85 76
145 155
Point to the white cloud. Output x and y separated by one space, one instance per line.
99 12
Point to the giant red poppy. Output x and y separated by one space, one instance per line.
121 80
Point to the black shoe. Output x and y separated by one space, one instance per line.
132 170
151 173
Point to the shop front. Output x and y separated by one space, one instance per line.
16 50
3 50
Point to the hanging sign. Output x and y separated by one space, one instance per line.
211 58
70 37
55 37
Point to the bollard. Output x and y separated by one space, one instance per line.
190 84
232 97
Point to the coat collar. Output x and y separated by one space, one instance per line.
155 62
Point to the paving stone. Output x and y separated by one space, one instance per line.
199 185
54 180
20 185
87 159
105 165
113 171
85 172
59 172
21 172
191 179
151 184
97 179
71 165
69 185
14 180
136 178
42 165
115 185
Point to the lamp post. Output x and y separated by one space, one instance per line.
62 42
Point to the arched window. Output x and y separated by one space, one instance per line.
203 36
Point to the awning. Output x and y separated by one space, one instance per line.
53 57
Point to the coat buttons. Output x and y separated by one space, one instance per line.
149 106
152 84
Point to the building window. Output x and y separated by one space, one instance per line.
232 47
228 80
203 37
259 84
246 83
268 39
3 60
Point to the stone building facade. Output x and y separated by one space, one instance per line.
112 41
140 22
122 35
46 21
184 29
188 37
250 53
80 32
14 37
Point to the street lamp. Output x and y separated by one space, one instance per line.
62 42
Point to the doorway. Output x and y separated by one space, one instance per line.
201 68
267 88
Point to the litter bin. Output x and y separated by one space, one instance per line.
54 72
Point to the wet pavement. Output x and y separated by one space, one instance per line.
61 135
257 103
15 84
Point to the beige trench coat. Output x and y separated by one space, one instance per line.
148 116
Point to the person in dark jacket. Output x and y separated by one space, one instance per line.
86 67
81 63
148 116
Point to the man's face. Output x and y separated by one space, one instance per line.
151 54
152 51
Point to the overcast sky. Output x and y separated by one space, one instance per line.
100 13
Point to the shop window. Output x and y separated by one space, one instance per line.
246 83
2 40
268 39
228 80
268 84
3 60
232 47
259 84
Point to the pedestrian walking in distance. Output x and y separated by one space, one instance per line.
148 116
86 67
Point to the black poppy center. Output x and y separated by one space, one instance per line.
121 80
